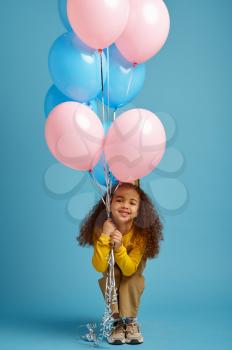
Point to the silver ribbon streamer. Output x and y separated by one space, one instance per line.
111 298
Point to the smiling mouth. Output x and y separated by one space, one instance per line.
124 213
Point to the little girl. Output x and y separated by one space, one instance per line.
134 230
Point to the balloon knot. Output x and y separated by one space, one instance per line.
100 51
135 64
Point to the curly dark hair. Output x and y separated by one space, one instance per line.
147 224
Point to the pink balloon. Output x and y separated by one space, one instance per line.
135 144
74 135
146 30
98 23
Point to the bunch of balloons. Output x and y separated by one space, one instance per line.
101 58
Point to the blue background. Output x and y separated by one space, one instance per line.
48 287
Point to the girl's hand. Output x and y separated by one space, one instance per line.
108 227
116 239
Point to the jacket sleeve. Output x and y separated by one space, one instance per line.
129 263
101 252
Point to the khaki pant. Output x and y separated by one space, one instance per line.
129 290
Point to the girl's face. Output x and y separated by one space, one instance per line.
125 205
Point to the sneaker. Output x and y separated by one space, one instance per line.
133 334
117 336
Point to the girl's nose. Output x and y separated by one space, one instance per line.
125 205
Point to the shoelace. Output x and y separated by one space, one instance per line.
132 328
119 328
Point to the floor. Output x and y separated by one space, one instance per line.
168 330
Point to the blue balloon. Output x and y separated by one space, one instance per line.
62 8
54 97
99 174
76 68
125 80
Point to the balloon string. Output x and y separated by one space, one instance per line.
108 115
103 119
110 290
110 296
131 78
106 170
102 87
97 185
102 83
108 86
114 114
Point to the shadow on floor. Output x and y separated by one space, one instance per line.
52 326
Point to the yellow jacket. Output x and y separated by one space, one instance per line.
127 257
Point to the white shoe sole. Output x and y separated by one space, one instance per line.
134 341
116 341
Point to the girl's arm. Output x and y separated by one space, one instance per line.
102 246
129 263
101 252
